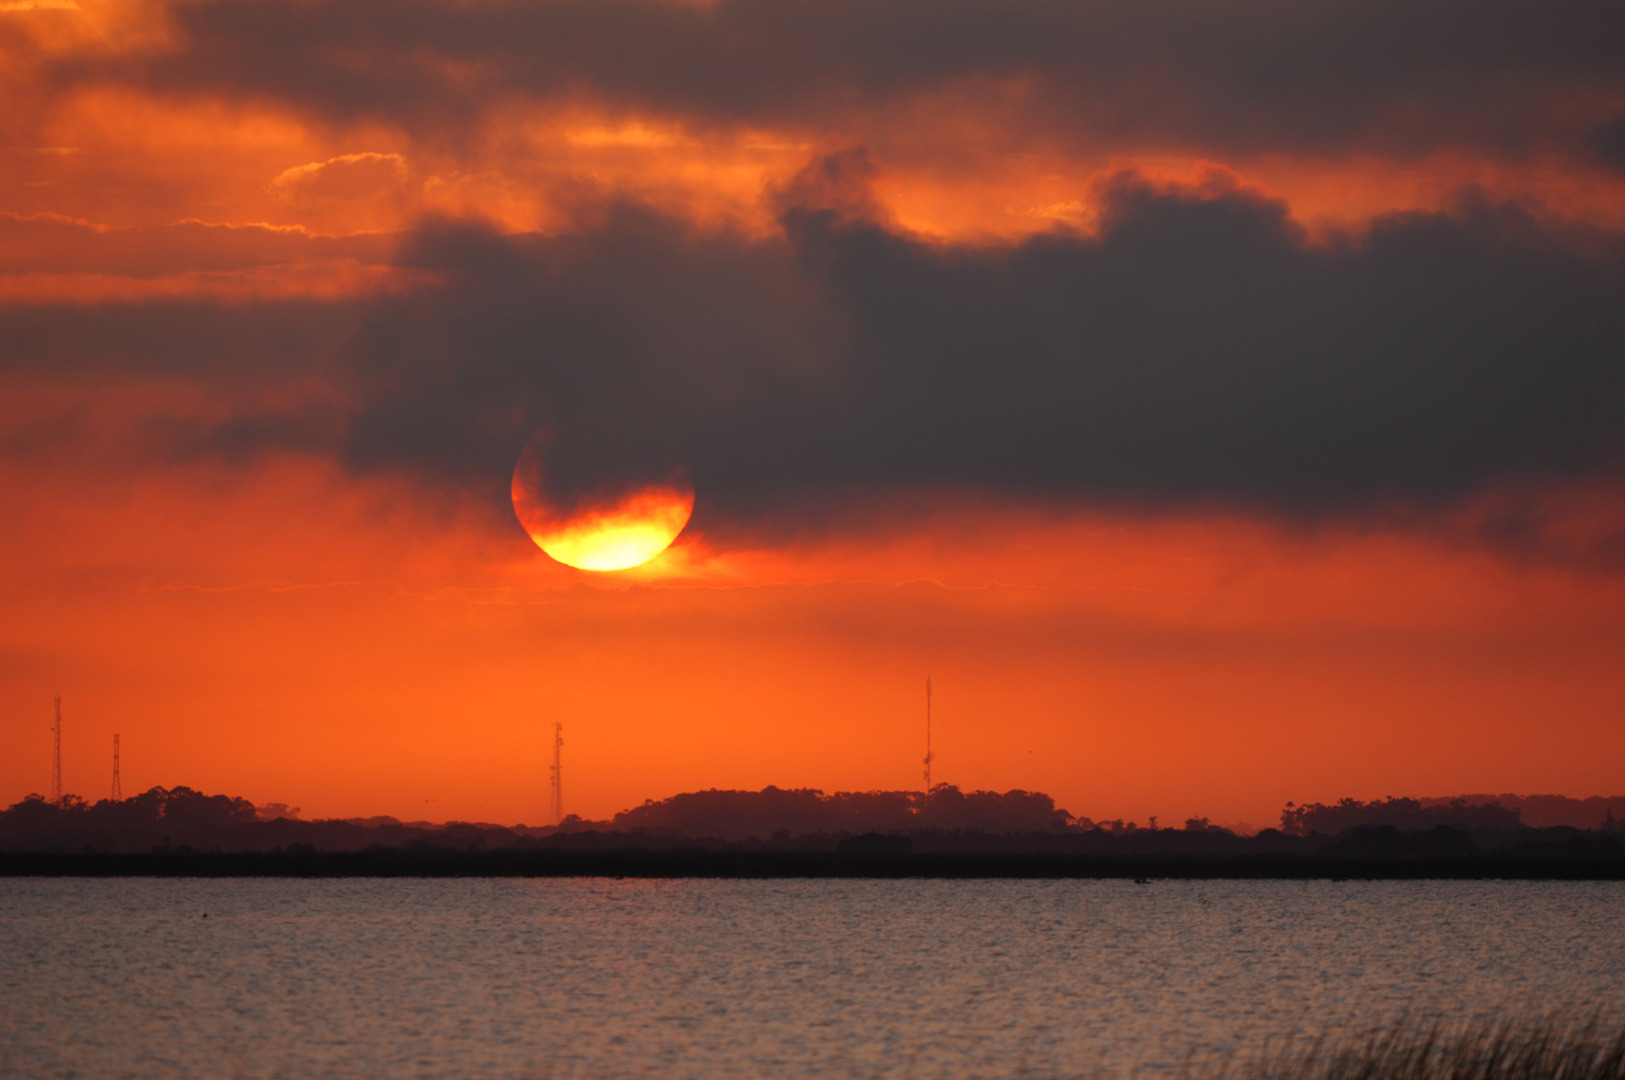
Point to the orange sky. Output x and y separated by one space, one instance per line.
293 636
289 629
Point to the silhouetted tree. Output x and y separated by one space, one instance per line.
1408 815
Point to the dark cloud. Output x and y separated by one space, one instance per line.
639 342
210 343
1197 349
1200 349
1391 75
245 436
1525 528
1608 142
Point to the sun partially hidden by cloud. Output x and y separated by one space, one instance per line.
628 534
614 530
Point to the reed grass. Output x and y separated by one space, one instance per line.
1553 1047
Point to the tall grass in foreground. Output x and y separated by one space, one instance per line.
1545 1048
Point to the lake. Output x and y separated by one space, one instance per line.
708 978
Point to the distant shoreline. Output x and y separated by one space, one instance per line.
517 863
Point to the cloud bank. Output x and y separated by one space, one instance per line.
1197 348
1397 77
1192 345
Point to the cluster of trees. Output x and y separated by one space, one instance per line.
1551 811
180 818
156 812
801 811
942 820
1406 815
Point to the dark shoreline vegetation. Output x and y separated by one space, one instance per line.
635 862
1549 1047
804 833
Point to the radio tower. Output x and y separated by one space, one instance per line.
556 810
928 754
118 789
56 757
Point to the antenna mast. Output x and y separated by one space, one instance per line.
118 789
556 810
56 758
928 754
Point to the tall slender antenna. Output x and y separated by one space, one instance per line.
928 754
556 810
118 789
56 758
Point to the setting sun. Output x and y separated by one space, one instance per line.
608 529
630 533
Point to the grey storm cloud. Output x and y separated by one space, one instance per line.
1394 76
187 340
1198 348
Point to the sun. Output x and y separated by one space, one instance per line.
616 532
627 534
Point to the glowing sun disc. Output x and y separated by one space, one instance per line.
614 534
629 534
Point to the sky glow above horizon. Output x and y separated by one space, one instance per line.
1224 407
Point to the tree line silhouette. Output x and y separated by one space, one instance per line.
1409 815
944 820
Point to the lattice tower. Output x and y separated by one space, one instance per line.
56 756
929 756
556 809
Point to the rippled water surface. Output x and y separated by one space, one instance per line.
910 979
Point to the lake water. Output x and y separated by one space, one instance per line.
916 979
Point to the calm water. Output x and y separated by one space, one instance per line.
782 979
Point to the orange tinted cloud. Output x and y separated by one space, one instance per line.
53 259
965 154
